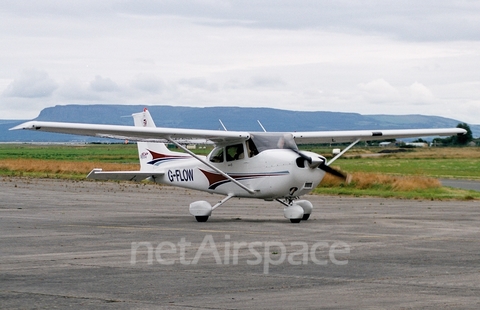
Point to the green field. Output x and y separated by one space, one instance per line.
463 163
464 168
117 153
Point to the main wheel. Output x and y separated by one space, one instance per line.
305 217
202 218
295 220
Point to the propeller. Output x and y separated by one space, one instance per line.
334 172
320 163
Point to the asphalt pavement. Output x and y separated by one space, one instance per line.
462 184
91 245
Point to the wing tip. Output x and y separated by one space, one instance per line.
26 125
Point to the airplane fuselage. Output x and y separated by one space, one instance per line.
270 174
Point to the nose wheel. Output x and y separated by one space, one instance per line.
201 218
296 211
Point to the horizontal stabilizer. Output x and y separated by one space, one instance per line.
98 174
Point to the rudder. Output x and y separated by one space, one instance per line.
151 154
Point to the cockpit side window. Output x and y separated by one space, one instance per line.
251 148
235 152
217 155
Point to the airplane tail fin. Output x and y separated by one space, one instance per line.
143 119
152 154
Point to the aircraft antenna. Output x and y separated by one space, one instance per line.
221 123
263 128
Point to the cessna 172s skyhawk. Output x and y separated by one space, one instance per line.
264 165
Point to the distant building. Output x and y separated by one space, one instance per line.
417 144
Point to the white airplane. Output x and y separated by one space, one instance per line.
263 165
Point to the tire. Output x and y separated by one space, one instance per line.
305 217
202 218
295 220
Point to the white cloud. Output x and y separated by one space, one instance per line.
198 83
101 84
378 91
31 84
266 82
370 57
148 83
73 90
420 94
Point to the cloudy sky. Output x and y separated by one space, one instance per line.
370 57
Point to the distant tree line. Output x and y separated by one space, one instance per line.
456 140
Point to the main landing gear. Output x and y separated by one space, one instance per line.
295 210
202 209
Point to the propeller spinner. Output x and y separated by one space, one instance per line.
320 163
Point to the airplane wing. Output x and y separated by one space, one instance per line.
369 135
98 174
151 134
159 134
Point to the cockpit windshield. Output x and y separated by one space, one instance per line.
257 143
268 141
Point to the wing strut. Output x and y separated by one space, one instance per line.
343 152
251 191
222 201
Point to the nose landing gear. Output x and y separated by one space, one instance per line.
296 210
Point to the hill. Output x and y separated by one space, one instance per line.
234 118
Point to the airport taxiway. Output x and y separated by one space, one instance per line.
69 244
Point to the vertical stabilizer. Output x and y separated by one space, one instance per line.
151 154
143 119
